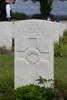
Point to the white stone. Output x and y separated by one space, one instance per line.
7 31
63 28
56 31
33 51
6 35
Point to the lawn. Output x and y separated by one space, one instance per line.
61 71
7 70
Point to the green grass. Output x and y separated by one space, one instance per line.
61 71
65 50
7 75
7 69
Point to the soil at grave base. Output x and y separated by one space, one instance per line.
59 98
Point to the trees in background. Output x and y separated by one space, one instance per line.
45 6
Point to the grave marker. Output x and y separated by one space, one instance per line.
33 51
6 35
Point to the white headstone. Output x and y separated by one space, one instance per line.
33 51
6 35
56 31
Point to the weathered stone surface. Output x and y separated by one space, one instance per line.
6 35
33 51
7 32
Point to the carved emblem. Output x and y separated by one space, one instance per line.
32 55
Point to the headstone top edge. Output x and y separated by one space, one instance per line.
33 20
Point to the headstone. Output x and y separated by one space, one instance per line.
33 51
58 30
63 28
6 35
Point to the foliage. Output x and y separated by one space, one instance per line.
57 92
45 7
65 94
7 94
56 47
44 82
6 75
6 90
19 16
65 33
34 92
64 39
60 48
41 80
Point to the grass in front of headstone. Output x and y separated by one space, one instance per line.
6 67
7 77
61 71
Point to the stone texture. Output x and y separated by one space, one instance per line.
7 32
33 51
58 30
6 35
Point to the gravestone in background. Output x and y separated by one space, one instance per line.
6 35
33 51
58 30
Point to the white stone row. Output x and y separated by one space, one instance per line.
34 48
57 29
6 35
7 31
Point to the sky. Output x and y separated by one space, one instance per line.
27 7
58 7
